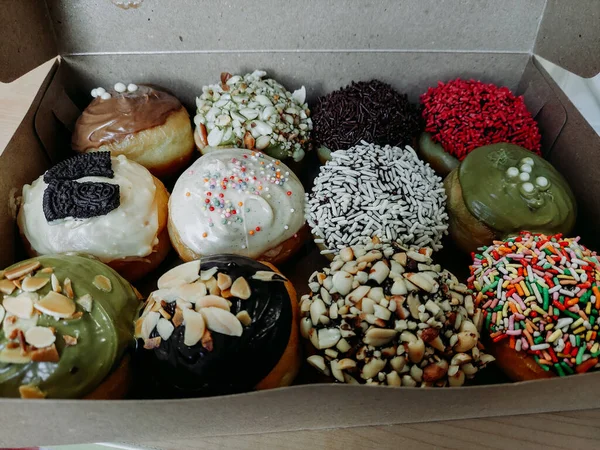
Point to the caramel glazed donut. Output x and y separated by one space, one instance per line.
227 325
149 126
239 202
107 207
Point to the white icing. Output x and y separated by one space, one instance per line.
127 231
278 214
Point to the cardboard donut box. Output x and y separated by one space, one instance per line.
185 44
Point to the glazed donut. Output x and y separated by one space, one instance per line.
146 124
254 113
370 111
239 202
461 116
108 207
501 189
540 300
368 191
224 326
67 323
385 314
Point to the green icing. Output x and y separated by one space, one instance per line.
102 335
495 193
433 153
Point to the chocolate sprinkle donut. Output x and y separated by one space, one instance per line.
372 111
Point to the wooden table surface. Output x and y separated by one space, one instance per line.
577 430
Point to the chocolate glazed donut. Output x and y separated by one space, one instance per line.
265 355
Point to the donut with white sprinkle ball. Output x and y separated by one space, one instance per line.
144 123
385 314
501 189
369 191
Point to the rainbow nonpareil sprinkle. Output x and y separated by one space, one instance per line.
542 293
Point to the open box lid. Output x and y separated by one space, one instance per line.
566 33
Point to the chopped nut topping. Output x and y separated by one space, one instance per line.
56 305
86 302
383 314
194 327
212 300
40 337
207 341
70 341
149 324
46 354
241 289
221 321
102 283
244 318
178 317
152 343
33 284
47 270
223 281
55 284
265 275
182 274
20 306
165 328
7 287
22 270
31 391
69 288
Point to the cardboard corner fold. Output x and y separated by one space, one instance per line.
569 36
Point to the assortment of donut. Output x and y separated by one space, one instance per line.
398 182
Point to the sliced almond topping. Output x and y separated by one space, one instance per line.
265 275
148 306
241 289
183 304
182 274
56 305
14 356
86 302
32 284
149 344
223 281
194 327
31 391
13 324
55 284
69 288
21 305
47 270
207 340
70 341
164 313
22 270
212 300
40 337
2 313
102 283
165 328
77 315
226 293
213 288
17 283
244 318
46 354
206 275
149 323
178 317
7 287
222 321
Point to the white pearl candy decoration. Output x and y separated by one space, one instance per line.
132 87
120 87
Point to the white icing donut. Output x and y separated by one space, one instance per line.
257 203
127 231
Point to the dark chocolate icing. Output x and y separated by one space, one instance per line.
116 118
66 198
97 164
235 364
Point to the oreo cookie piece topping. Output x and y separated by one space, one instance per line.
95 164
66 198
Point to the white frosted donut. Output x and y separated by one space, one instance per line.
130 230
236 201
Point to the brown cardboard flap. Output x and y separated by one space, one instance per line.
569 36
43 422
27 38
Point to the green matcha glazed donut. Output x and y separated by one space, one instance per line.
65 328
501 189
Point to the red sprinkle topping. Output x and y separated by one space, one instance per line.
464 115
